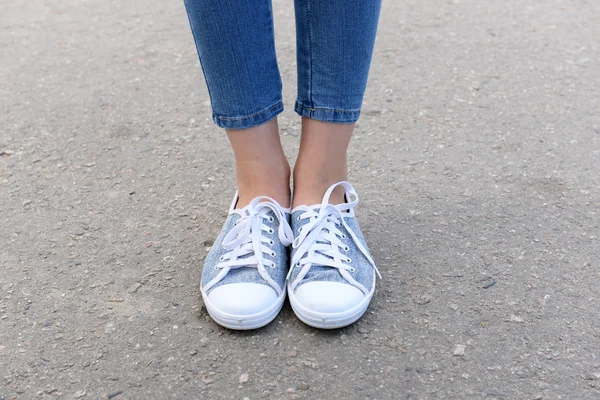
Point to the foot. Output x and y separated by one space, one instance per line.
332 275
243 280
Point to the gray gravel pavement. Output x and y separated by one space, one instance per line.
477 160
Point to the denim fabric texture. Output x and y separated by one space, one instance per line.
246 274
334 45
364 272
236 47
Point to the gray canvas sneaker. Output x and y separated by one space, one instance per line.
332 275
243 280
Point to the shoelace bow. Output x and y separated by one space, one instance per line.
246 243
320 240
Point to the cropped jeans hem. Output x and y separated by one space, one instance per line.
327 114
249 121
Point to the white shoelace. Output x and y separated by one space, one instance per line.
320 241
246 242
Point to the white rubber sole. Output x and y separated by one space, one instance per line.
327 320
244 322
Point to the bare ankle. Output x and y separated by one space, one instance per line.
271 180
261 166
310 184
321 161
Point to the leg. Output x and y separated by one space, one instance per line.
335 41
236 48
332 274
243 279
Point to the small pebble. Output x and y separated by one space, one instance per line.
109 328
459 350
134 288
514 318
244 378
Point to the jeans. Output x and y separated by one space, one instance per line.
236 46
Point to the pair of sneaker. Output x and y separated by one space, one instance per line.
329 274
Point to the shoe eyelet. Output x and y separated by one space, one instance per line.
348 260
221 258
352 270
343 236
271 231
298 218
347 248
271 219
273 254
216 268
271 242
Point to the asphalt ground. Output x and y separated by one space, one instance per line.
476 159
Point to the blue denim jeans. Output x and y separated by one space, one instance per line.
236 46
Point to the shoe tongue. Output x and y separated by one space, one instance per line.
245 211
314 207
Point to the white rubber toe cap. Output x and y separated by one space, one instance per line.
328 297
242 299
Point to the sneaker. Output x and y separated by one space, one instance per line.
243 280
332 276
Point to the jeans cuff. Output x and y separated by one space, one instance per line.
327 114
249 121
